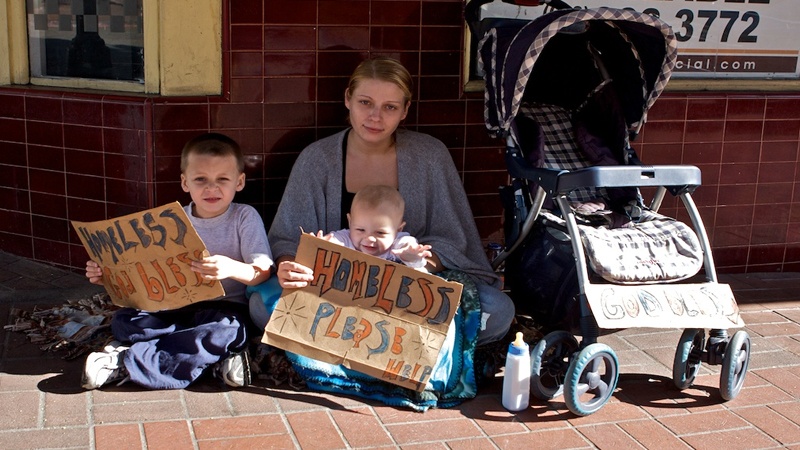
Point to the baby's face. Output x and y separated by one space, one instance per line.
373 230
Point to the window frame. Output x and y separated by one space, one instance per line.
199 34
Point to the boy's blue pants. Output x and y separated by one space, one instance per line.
171 349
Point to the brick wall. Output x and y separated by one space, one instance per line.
89 155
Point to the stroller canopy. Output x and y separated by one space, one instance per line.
562 57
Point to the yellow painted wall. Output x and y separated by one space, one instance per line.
5 73
13 43
190 47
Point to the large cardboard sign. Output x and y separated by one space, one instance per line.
701 305
368 314
146 258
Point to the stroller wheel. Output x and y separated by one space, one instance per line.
688 355
549 363
734 365
591 379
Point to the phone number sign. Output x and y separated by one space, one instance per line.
756 39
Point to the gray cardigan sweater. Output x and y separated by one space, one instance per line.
437 211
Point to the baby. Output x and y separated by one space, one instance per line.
376 224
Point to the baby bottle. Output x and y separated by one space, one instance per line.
517 376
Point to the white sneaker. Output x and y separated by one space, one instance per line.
115 346
234 370
104 367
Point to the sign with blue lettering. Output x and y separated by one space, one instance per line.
374 316
146 258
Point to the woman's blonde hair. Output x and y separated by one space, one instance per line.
382 68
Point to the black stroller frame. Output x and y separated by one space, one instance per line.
516 55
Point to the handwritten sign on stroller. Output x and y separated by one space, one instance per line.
146 258
695 305
365 313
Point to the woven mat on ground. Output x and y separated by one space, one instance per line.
82 326
77 327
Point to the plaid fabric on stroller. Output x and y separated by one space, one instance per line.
584 253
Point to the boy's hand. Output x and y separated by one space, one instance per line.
217 267
413 253
94 273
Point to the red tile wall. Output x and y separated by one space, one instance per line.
88 156
747 148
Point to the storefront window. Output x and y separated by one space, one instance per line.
97 39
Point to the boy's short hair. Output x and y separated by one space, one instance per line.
214 144
373 196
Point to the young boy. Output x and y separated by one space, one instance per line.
171 349
376 228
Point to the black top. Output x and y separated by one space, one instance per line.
347 197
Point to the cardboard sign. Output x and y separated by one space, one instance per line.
701 305
368 314
146 258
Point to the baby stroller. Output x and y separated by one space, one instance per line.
569 91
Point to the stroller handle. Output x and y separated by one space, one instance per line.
556 4
678 179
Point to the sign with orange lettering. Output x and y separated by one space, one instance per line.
146 258
368 314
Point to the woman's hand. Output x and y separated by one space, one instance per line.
94 273
434 264
294 275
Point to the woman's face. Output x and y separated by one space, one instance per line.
376 109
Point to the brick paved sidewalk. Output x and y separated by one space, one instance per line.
43 406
